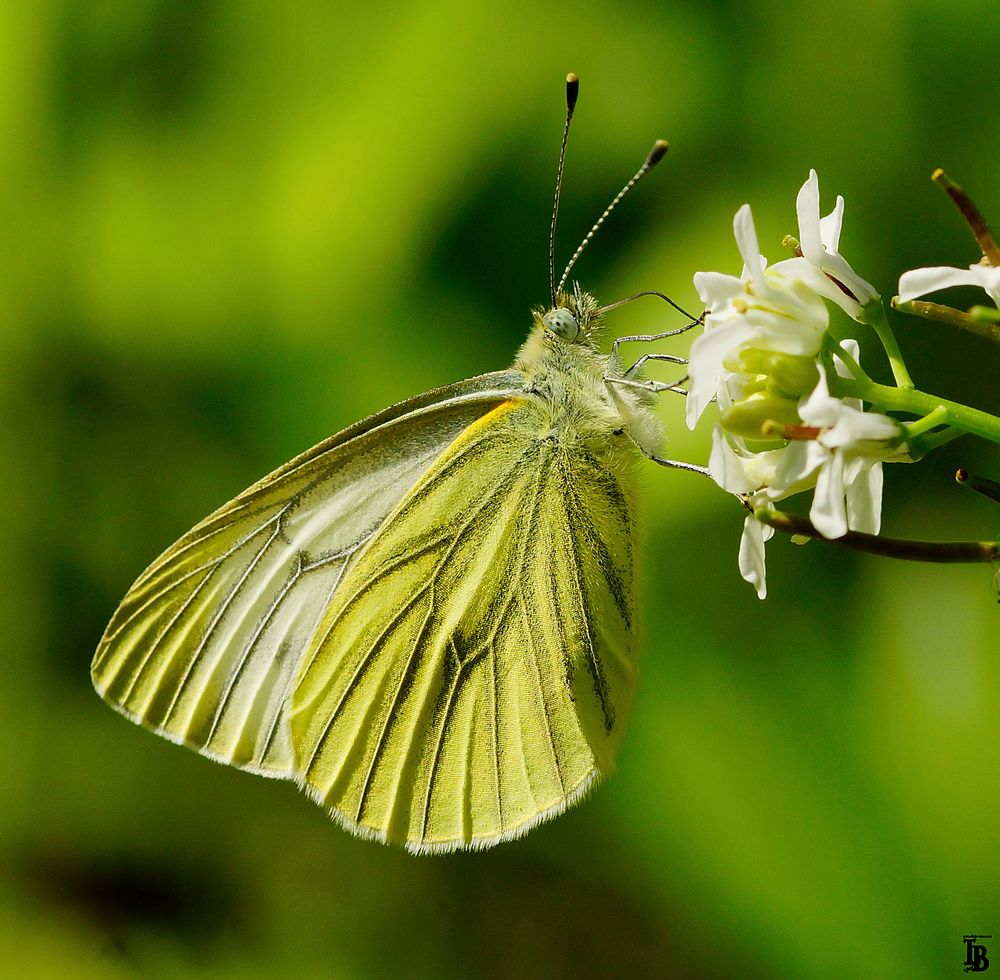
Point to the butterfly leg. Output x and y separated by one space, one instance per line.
670 358
675 464
647 384
648 338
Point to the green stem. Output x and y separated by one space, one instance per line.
852 365
983 323
930 421
921 437
922 445
920 403
875 317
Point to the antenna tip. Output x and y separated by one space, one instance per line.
572 90
657 153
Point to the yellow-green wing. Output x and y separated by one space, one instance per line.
474 671
206 643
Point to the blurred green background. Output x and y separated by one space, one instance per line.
230 229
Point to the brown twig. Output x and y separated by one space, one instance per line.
988 488
949 552
986 239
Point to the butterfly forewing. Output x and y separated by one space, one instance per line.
205 645
471 674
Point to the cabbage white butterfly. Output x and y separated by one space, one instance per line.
426 621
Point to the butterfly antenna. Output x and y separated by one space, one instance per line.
656 154
572 91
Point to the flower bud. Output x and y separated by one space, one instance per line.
790 375
796 375
746 418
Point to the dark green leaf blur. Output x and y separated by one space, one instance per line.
229 229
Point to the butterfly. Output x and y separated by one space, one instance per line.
428 620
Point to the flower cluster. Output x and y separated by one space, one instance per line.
769 362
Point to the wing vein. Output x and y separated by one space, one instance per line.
159 640
456 682
171 586
543 703
594 667
222 609
405 682
361 667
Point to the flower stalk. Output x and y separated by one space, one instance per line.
981 322
874 316
940 552
913 401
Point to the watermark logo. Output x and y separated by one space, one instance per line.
976 960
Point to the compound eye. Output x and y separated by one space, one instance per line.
562 323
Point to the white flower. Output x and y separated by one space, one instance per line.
774 473
761 308
759 358
848 493
819 241
842 463
918 282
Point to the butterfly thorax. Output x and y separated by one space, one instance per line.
574 384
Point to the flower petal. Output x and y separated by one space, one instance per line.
752 558
807 211
816 278
716 288
746 240
855 292
864 500
919 282
726 468
818 408
828 512
988 277
705 364
787 471
829 227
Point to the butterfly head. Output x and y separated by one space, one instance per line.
562 323
572 319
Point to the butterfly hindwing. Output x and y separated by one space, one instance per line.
206 643
472 673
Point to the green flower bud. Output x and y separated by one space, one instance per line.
755 385
747 417
753 360
789 375
794 374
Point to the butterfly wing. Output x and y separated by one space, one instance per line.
205 644
472 673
